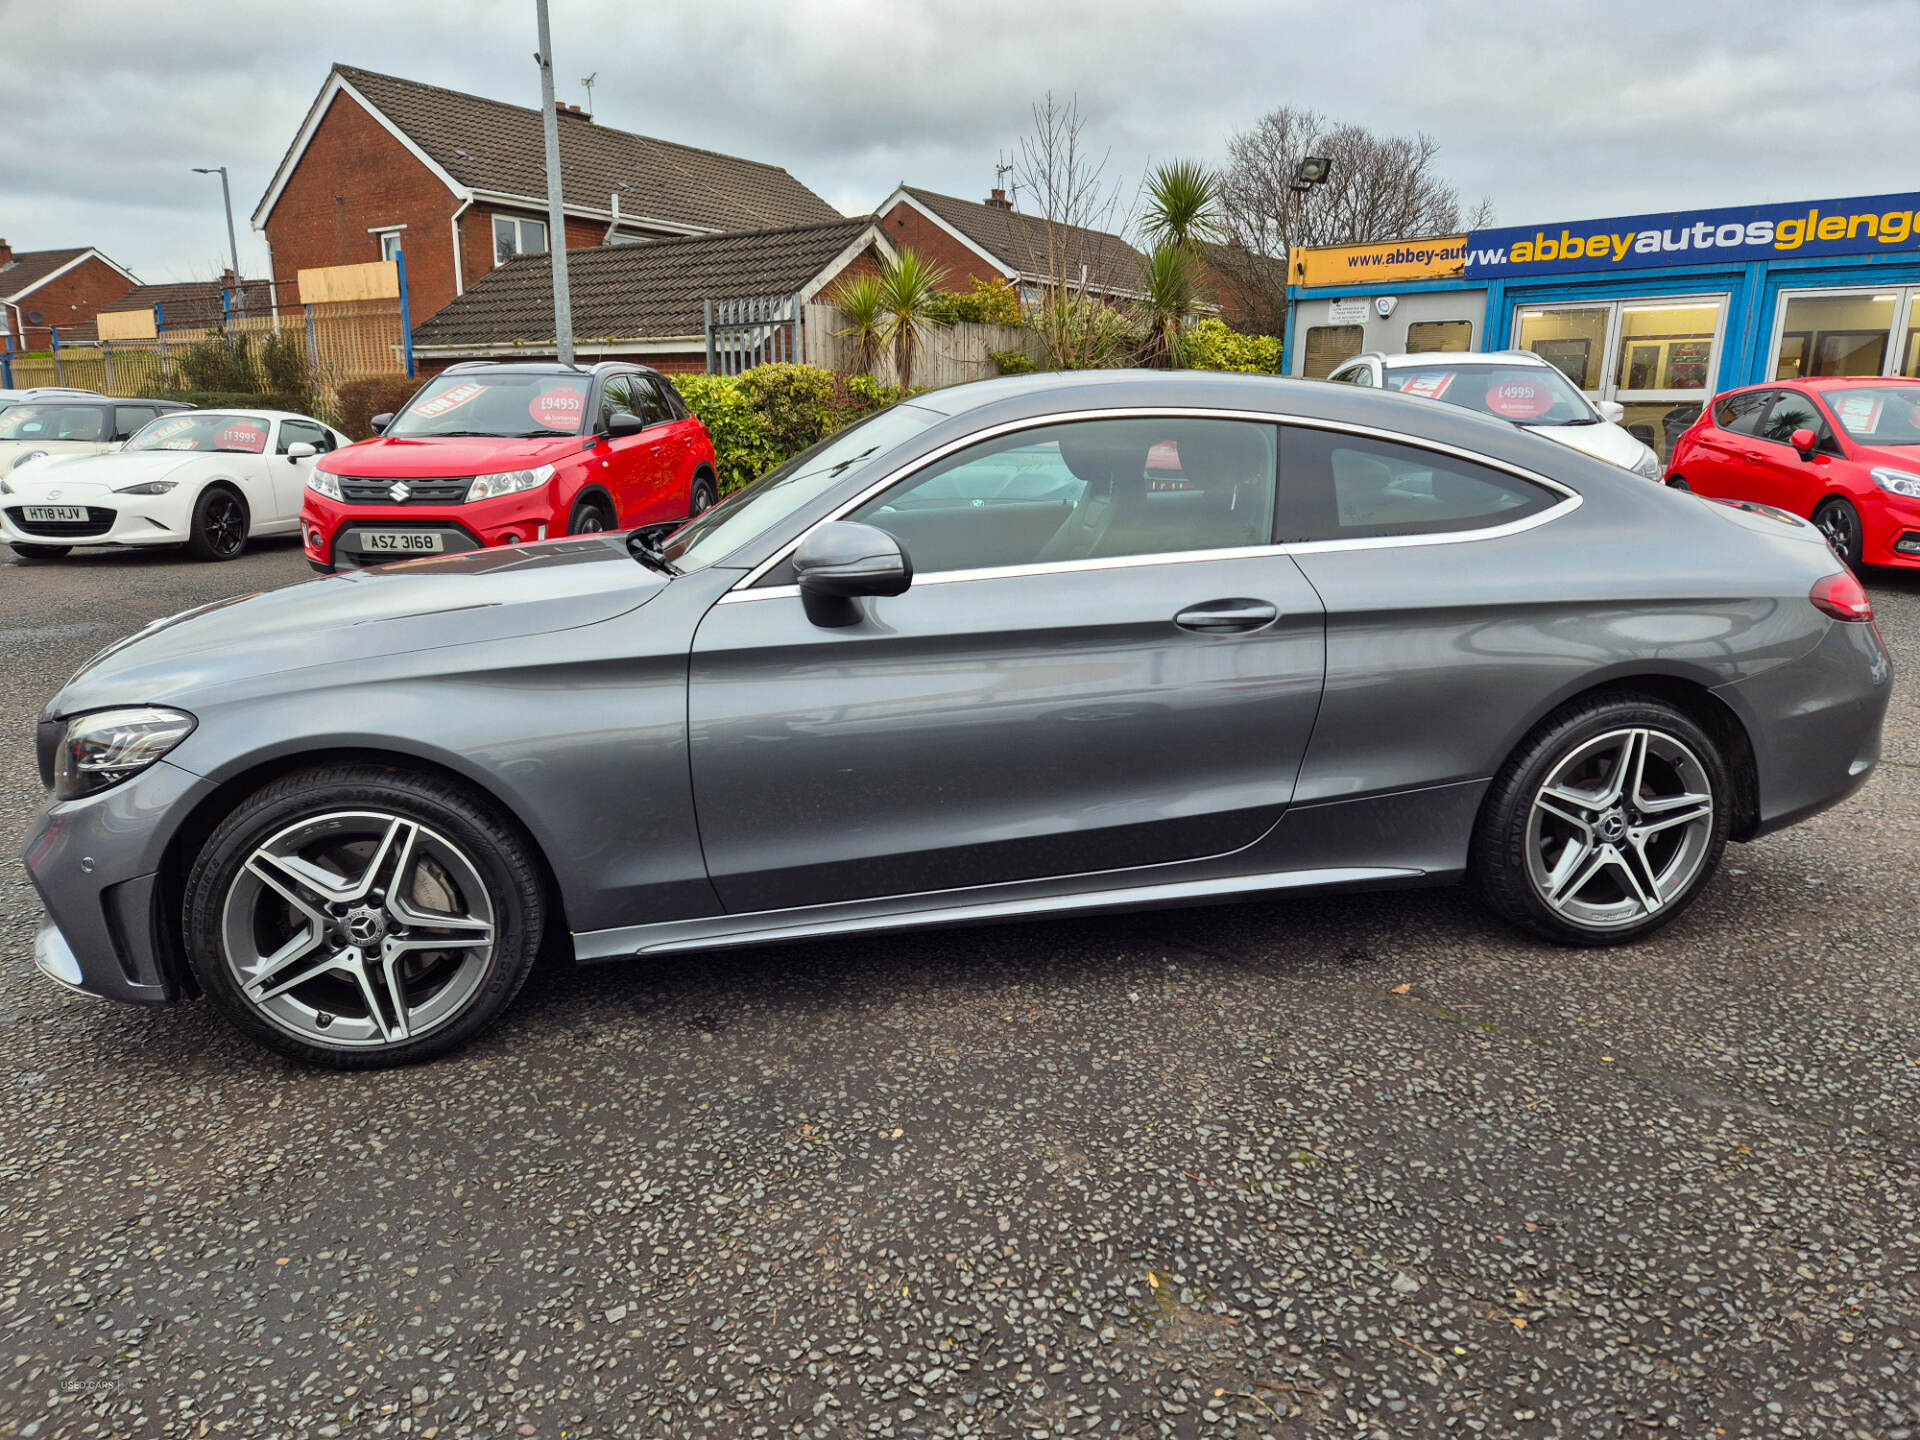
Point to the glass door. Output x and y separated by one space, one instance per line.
1656 358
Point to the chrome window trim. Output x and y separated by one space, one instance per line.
1570 501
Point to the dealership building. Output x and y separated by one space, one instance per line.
1655 312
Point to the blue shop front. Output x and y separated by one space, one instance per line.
1655 312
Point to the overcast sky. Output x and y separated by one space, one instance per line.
1550 114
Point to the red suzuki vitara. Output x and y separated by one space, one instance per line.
499 454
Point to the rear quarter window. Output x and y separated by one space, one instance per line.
1335 486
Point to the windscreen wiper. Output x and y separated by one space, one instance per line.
644 545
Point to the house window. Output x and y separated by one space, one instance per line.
514 236
390 244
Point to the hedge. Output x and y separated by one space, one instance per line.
1212 346
760 418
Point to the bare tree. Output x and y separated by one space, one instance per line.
1380 187
1068 208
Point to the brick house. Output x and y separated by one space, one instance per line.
986 240
643 302
183 305
459 183
46 290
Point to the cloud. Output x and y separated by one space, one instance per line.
1554 112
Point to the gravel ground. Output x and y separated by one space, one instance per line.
1330 1168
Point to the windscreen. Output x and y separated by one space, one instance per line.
1524 394
54 422
205 431
1878 414
508 404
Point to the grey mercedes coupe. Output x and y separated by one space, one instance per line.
1027 647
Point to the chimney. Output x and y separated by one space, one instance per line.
998 199
6 254
563 108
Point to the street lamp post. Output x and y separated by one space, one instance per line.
556 209
226 196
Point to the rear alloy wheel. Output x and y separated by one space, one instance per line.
40 552
219 529
590 517
1840 522
360 916
1606 824
704 496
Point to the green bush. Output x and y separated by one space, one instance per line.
1212 346
761 418
1011 362
361 400
990 302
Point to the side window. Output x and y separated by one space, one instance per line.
1086 490
1741 413
653 407
676 403
1450 337
295 432
1358 375
1328 345
129 418
1793 411
1348 487
615 396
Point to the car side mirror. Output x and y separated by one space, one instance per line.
624 422
1611 411
301 450
379 423
837 563
1806 442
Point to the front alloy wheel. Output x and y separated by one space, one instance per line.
358 916
1606 823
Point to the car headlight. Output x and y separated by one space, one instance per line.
151 487
1648 465
1897 482
321 483
508 482
100 750
30 455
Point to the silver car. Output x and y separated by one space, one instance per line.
1036 646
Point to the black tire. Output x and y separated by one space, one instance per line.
704 497
40 552
1679 482
219 529
500 858
1505 838
591 516
1840 522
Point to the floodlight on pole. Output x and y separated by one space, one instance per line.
226 197
1313 170
556 209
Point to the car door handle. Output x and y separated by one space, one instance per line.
1227 617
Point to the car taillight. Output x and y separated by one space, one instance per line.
1842 597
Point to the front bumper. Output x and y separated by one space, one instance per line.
329 529
105 525
1892 533
96 864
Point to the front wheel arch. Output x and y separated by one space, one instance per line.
595 495
213 807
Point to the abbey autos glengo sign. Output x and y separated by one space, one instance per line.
1874 224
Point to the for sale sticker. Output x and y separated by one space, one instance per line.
446 400
558 409
241 436
1859 413
169 428
1430 387
1519 399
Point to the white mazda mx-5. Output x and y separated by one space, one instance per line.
205 479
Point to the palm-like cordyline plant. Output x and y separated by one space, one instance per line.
1168 282
1183 206
908 286
865 305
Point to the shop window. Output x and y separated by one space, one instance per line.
1835 334
1452 337
1328 345
1572 340
1667 346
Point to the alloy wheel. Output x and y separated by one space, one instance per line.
358 929
224 526
1620 828
1841 526
589 521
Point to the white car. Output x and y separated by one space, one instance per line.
73 424
1514 385
206 479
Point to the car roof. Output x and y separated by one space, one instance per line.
1456 357
1841 382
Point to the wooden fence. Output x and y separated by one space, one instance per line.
952 354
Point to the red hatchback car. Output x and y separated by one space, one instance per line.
1842 452
500 454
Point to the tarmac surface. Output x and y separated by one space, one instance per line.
1341 1167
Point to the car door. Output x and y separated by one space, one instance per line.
626 461
1722 456
1783 478
289 473
668 468
1101 664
